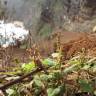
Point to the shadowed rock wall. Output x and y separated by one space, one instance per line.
71 15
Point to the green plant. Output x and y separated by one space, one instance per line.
77 76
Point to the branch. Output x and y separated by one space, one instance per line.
7 85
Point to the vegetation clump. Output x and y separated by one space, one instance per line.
52 76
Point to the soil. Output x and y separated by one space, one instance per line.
72 43
86 42
47 46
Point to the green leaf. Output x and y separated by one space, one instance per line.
44 77
53 92
94 68
71 68
74 62
85 86
10 92
50 76
56 92
57 75
38 81
49 62
37 92
28 67
49 91
86 67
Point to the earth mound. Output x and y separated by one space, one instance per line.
88 43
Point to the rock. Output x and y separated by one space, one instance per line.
94 29
13 33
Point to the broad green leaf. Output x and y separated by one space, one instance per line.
28 67
49 62
49 91
85 86
10 92
38 81
56 91
44 77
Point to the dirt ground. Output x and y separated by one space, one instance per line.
86 42
72 43
46 45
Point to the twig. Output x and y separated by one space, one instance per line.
7 85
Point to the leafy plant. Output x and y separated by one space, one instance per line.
76 76
26 68
85 86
